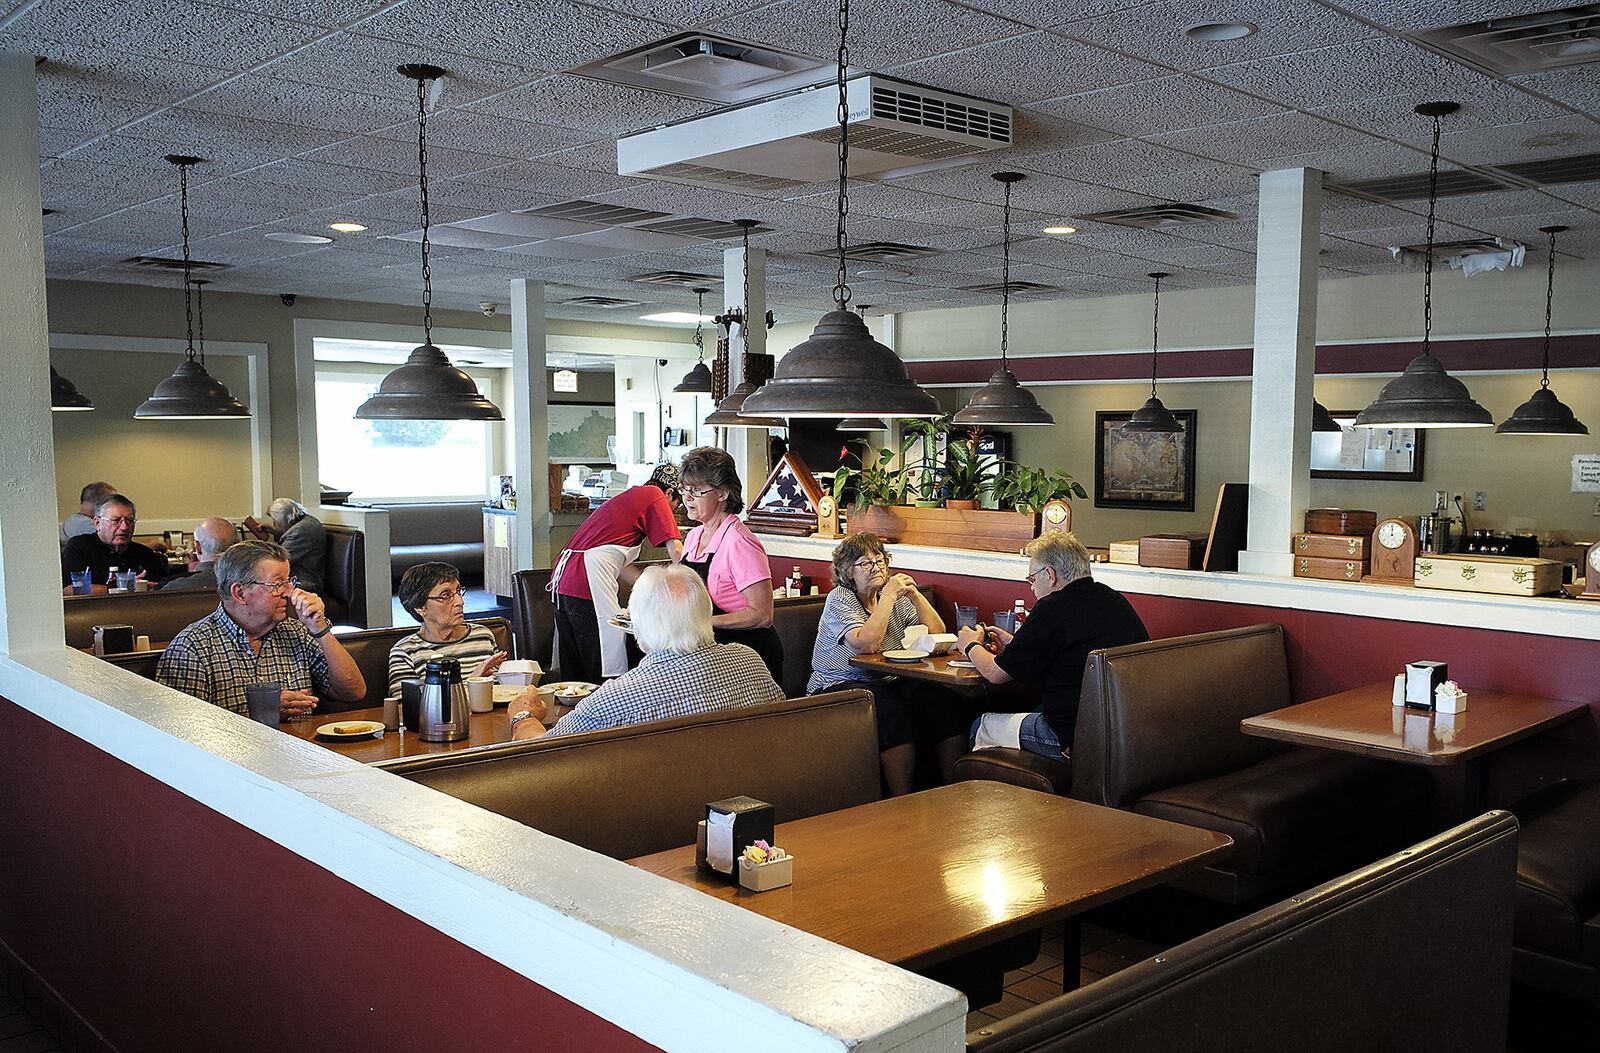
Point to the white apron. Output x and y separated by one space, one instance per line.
602 564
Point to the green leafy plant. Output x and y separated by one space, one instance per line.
1029 489
969 473
876 482
923 479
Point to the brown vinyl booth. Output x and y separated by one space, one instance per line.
444 531
1558 890
345 576
635 790
1409 953
160 615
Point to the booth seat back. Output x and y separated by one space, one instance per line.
159 615
533 616
446 532
1167 712
368 647
1411 952
346 575
632 791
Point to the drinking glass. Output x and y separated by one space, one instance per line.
264 701
82 582
966 617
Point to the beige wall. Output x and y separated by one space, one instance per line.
172 469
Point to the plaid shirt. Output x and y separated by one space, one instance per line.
675 684
212 661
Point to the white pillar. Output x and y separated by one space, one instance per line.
1284 365
530 425
747 445
30 559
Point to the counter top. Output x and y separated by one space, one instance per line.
1542 615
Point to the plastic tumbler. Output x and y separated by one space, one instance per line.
126 578
966 617
82 582
264 701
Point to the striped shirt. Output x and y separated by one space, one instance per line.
408 658
670 684
830 656
212 660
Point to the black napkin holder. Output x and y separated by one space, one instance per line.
732 825
113 639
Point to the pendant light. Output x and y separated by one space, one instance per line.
1004 401
1322 420
427 386
840 371
65 396
698 380
756 369
1544 414
190 393
862 424
1153 416
1425 396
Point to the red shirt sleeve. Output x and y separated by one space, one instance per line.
658 522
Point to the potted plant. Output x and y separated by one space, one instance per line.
877 487
968 474
1029 489
924 437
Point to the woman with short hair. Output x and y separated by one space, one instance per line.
727 556
869 611
432 592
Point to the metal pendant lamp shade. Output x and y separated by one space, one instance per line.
698 380
190 393
1425 396
1004 401
1543 413
841 371
1322 420
65 396
428 386
862 424
1153 417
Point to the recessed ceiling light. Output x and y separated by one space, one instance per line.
1210 31
678 317
298 239
1060 229
347 227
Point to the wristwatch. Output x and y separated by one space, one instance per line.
324 631
967 650
517 718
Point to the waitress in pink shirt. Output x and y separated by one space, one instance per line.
724 552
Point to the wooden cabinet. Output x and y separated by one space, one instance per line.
499 550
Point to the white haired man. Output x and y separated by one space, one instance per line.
212 537
302 535
684 671
1075 615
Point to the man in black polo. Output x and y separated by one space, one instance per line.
111 545
1075 615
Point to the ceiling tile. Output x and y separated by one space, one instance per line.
356 182
264 98
1106 163
485 134
1342 73
369 65
1529 141
1484 104
591 105
1575 86
566 250
400 155
1156 32
84 111
1408 17
1149 107
115 75
330 13
1025 68
543 35
885 33
1199 184
1251 141
170 30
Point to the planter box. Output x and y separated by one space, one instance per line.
979 529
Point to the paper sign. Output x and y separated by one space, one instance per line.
1586 473
502 531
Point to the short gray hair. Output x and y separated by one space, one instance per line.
285 512
671 610
113 499
237 566
1062 553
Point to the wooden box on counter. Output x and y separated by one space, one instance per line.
1124 552
1330 569
1332 546
981 529
1355 521
1173 551
1497 575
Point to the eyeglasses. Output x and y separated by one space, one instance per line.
695 494
276 586
448 596
873 563
117 520
1028 577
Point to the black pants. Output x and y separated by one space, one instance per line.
913 710
578 636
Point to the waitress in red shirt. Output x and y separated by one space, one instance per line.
585 576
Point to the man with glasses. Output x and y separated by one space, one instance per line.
1074 615
251 638
111 545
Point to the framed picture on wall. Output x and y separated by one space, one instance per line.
1140 469
1366 453
579 430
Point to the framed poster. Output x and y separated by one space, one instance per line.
579 430
1366 453
1142 469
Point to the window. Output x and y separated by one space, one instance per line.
399 460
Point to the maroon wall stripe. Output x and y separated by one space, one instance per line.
165 925
1467 356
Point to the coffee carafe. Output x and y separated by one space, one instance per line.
1433 533
442 712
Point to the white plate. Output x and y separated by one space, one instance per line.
569 692
905 655
350 729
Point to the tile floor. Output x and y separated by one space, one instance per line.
1103 952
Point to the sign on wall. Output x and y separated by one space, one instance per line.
1586 473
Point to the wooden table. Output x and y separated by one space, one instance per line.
920 879
934 670
484 729
1365 722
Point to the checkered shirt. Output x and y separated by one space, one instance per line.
670 684
212 660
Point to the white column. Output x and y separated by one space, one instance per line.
530 425
30 559
747 445
1284 365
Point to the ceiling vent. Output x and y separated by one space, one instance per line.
163 263
687 279
595 212
703 66
1467 247
1413 186
1013 288
710 229
1567 36
896 129
607 303
1160 217
880 252
1556 170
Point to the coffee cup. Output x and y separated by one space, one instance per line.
141 643
480 693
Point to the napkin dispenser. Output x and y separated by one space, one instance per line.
113 639
934 643
1422 678
731 826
